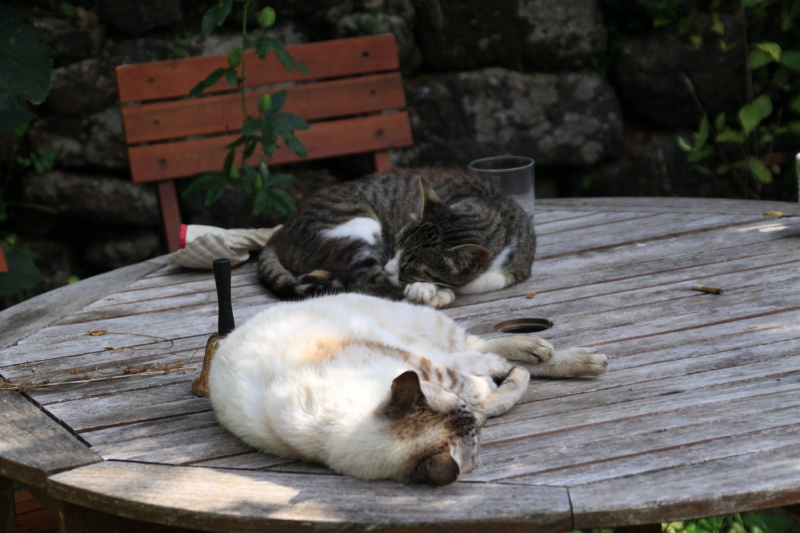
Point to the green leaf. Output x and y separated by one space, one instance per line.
283 203
773 50
22 272
210 81
753 3
299 66
719 122
295 145
701 136
723 169
230 76
226 168
280 179
263 46
269 138
238 142
249 148
262 202
295 122
283 55
751 115
252 126
776 169
25 62
683 144
214 192
760 170
794 105
234 173
791 60
11 119
701 169
731 136
204 181
758 59
696 39
695 157
660 21
794 126
215 16
278 100
716 25
68 9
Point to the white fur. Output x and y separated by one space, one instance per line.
300 380
363 228
493 279
392 268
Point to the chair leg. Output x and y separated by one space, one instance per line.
3 264
8 510
382 161
170 213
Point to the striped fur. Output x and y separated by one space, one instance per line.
451 227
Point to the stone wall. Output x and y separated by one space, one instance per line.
483 78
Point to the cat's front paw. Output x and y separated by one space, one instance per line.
524 348
428 294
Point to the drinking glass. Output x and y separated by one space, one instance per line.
512 175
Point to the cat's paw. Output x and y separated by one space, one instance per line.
526 349
428 294
580 362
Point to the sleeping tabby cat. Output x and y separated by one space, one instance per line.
419 233
375 389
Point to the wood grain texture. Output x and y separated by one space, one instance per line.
223 114
325 59
33 446
3 263
21 320
224 500
170 214
382 161
164 161
668 205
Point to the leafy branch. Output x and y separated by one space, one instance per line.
265 129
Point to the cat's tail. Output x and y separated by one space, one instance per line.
286 285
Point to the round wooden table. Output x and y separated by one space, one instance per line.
698 416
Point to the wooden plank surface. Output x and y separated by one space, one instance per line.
667 205
32 315
372 133
33 446
223 114
698 382
326 59
223 500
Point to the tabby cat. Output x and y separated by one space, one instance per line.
375 389
420 233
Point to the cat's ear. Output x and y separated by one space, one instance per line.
431 203
407 394
436 469
469 256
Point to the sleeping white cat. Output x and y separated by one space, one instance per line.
375 389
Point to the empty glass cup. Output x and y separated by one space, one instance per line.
512 175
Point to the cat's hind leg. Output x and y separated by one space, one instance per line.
571 362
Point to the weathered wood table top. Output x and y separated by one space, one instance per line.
699 414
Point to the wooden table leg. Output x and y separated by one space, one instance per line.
74 519
8 511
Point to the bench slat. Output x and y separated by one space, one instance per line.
325 59
216 114
165 161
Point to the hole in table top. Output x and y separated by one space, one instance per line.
524 325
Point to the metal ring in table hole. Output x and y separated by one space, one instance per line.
524 325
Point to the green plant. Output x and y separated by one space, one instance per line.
264 129
740 144
25 68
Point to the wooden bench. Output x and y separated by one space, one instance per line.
3 264
354 105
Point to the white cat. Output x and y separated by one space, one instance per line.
375 389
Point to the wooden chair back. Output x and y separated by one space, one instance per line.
3 264
353 99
